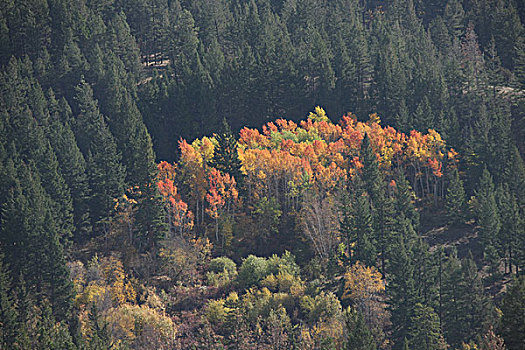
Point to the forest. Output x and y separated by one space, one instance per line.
262 174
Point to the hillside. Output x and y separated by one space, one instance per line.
262 174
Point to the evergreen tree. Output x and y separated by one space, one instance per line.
359 336
357 224
32 243
105 172
519 61
454 17
126 125
99 339
423 117
493 66
123 44
8 312
451 295
508 240
515 175
486 210
52 334
474 308
225 157
440 35
346 85
513 320
455 198
373 183
401 286
425 332
72 163
403 205
26 120
390 80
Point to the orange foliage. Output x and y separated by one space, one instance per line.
285 158
222 193
180 219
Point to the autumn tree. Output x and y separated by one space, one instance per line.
222 198
320 224
363 287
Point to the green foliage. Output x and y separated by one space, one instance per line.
357 225
222 271
105 172
225 157
513 322
486 210
253 269
32 241
425 332
268 213
401 287
359 336
91 88
455 198
466 309
324 306
8 312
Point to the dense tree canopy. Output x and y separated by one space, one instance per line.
262 174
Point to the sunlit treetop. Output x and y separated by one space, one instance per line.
316 152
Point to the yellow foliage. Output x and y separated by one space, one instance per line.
471 346
319 115
128 322
93 293
233 297
362 282
216 312
111 288
270 282
121 288
374 119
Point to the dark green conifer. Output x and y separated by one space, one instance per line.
425 332
450 299
440 35
359 336
8 311
486 210
357 224
475 310
512 228
454 17
106 174
519 61
455 198
375 187
225 156
403 204
32 241
72 163
401 286
423 117
513 319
